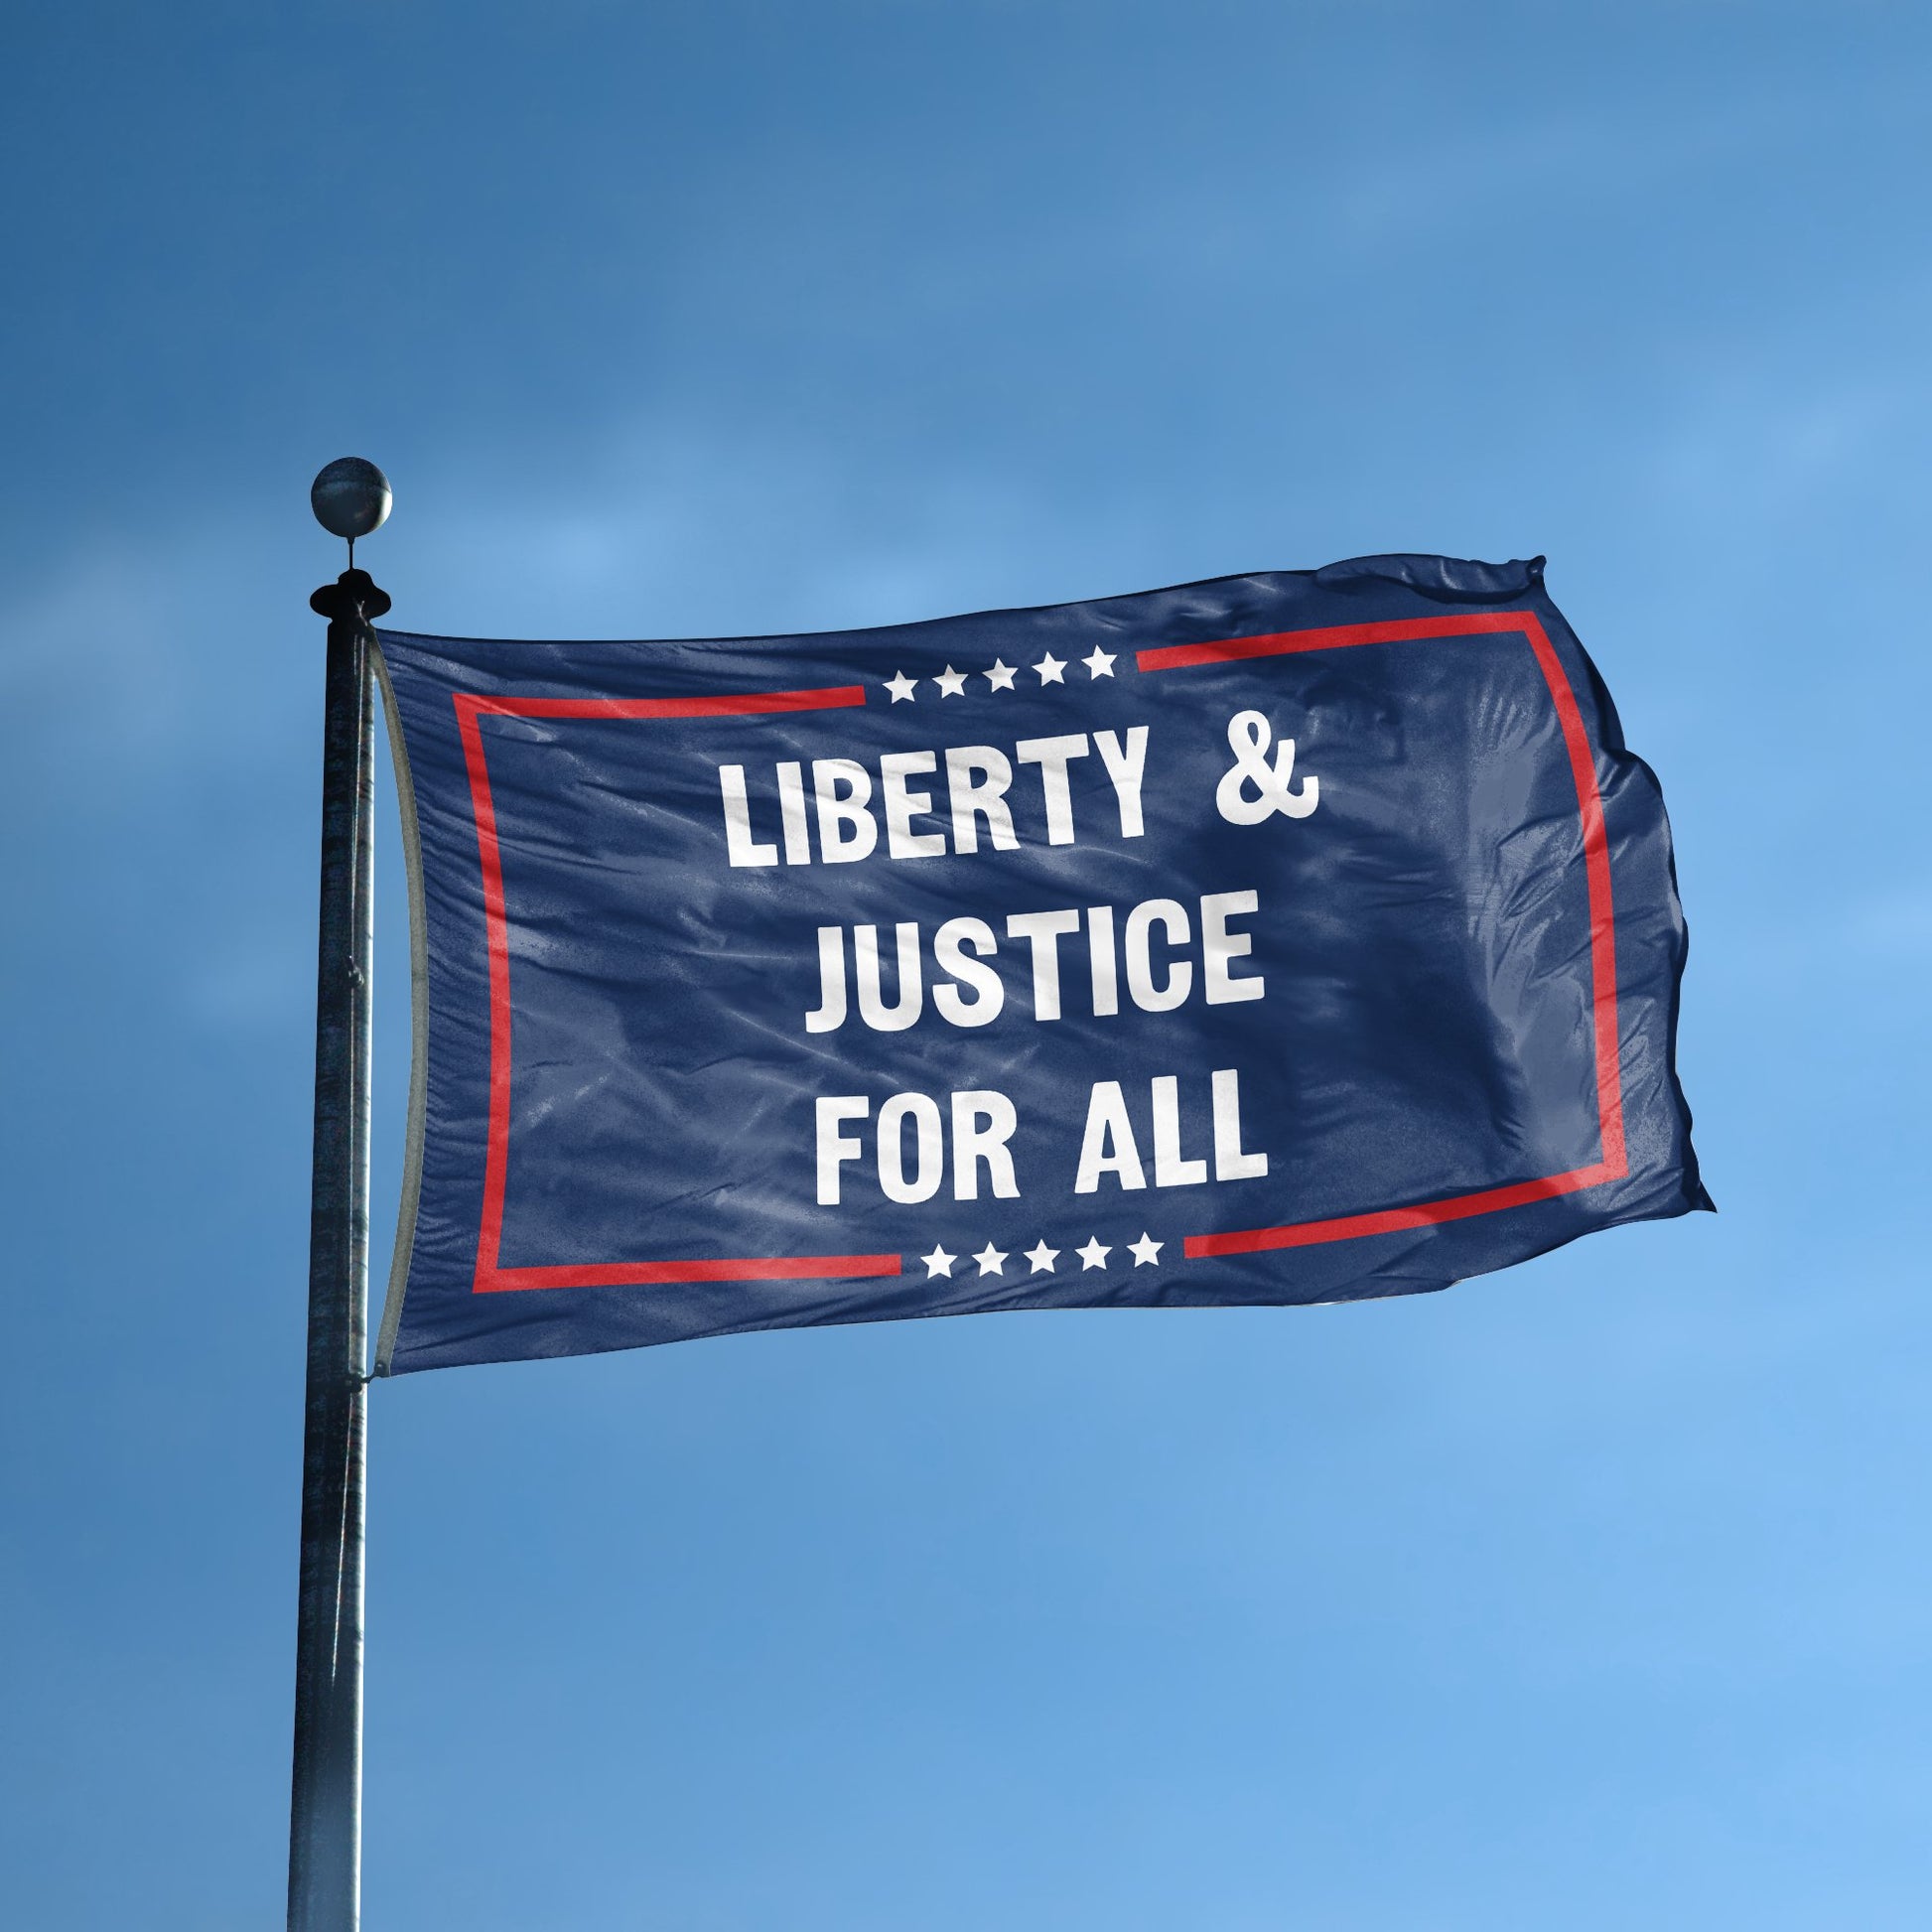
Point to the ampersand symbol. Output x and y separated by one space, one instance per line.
1248 733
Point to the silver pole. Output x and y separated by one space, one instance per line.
326 1811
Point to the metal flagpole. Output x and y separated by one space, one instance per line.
351 498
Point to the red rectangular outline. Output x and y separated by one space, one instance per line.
491 1277
1602 932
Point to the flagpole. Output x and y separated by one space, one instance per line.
351 498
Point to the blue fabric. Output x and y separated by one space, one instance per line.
1294 937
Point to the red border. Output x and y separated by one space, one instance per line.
491 1277
1602 933
470 706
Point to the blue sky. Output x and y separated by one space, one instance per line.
1594 1594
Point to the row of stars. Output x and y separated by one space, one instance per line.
952 683
993 1261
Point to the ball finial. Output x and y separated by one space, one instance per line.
350 497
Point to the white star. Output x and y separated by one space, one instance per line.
991 1259
1099 663
1144 1250
1050 668
938 1262
1042 1258
901 687
951 683
1001 675
1093 1255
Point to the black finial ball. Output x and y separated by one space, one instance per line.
350 497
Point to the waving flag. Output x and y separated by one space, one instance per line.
1287 939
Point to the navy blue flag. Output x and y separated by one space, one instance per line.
1287 938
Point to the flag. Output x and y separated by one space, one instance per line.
1297 937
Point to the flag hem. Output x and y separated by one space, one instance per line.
413 1132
